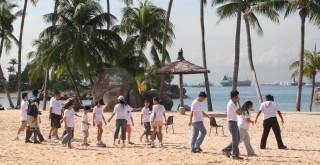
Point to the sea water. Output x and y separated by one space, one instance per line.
285 96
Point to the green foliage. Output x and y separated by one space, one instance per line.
154 80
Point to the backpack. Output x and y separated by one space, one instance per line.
33 107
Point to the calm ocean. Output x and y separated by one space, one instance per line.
285 96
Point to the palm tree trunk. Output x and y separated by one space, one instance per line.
204 58
301 60
254 75
20 51
237 48
73 81
2 79
312 92
108 12
164 44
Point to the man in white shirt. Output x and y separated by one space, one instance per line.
270 109
55 114
233 109
196 120
23 114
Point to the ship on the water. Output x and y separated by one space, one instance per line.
227 82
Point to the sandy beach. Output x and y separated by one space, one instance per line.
300 133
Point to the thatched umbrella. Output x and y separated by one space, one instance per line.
181 66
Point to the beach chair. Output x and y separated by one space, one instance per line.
213 123
169 122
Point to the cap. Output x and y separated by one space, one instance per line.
121 98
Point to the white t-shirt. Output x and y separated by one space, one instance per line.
23 110
69 114
269 109
56 106
197 111
98 113
145 112
85 119
242 122
158 110
121 111
231 111
129 114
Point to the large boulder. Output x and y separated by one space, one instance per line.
1 107
166 101
114 82
317 95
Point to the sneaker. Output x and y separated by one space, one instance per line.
237 158
152 145
131 143
226 153
63 145
36 142
28 141
49 137
199 149
140 139
114 143
16 138
118 142
194 151
282 148
160 145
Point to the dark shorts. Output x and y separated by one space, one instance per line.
55 120
147 128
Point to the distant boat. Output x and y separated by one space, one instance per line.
203 84
227 82
294 83
317 84
271 84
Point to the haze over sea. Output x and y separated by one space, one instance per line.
285 96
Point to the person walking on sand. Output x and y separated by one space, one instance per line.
233 109
269 109
68 119
128 128
196 120
97 121
244 121
120 111
159 114
23 114
32 117
85 126
145 121
55 114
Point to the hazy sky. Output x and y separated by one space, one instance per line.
272 53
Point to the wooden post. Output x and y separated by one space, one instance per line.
181 108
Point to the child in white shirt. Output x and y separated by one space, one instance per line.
145 120
85 126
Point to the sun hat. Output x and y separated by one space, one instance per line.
121 98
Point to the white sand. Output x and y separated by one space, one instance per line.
301 133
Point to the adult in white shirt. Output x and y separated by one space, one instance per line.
55 114
159 114
270 109
97 121
196 120
233 109
244 121
23 114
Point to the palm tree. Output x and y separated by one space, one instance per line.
307 9
127 2
250 8
79 40
146 25
204 58
164 44
311 68
6 33
11 70
34 2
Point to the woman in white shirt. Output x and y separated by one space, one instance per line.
244 122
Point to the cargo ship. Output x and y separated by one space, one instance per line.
227 82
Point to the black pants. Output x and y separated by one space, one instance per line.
267 125
120 123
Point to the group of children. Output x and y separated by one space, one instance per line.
123 120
